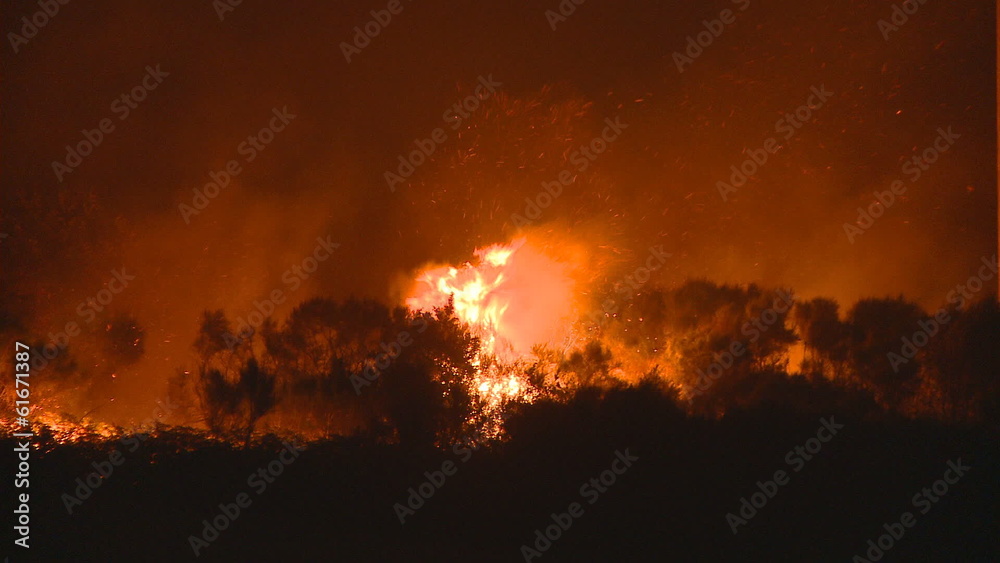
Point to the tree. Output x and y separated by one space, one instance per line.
709 321
818 324
960 375
426 389
877 328
591 366
234 391
256 389
322 350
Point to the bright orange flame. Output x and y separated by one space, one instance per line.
60 428
514 297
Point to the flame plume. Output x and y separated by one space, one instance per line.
514 297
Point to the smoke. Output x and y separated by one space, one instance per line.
323 174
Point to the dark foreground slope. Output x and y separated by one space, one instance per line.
336 500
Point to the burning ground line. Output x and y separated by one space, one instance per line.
229 512
592 489
760 156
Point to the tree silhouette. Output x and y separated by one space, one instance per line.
256 390
234 391
818 324
706 322
218 399
961 365
877 327
321 349
426 389
591 366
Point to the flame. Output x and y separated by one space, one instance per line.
59 428
514 297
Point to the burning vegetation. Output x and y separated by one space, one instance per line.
519 324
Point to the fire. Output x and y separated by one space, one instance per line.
514 297
60 428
